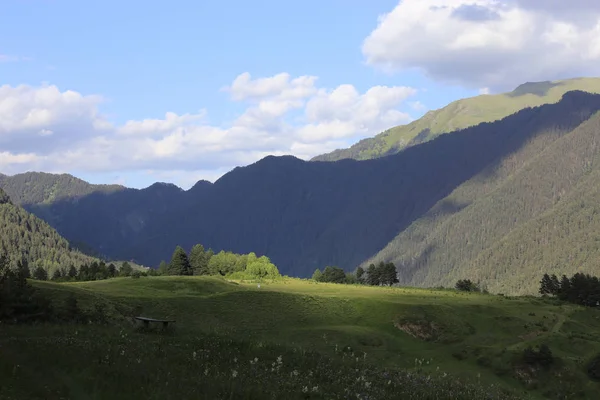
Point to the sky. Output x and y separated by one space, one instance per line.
134 92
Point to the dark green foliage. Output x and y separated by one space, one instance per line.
593 368
360 272
582 289
465 285
382 274
549 285
179 265
24 236
112 270
199 260
19 301
333 275
543 356
126 269
40 274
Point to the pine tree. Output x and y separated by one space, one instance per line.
360 273
545 285
40 274
180 264
199 260
317 275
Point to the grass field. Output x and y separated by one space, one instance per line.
297 339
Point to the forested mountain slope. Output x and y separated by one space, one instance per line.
41 187
461 114
533 212
23 236
306 215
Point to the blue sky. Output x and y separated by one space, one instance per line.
137 60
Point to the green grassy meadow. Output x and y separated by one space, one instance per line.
297 339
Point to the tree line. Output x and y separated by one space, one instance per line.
200 261
382 274
582 289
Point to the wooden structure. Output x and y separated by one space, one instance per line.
147 321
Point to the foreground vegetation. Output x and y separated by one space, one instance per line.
297 339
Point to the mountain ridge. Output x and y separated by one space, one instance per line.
306 215
461 114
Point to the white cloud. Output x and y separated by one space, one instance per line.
44 128
489 43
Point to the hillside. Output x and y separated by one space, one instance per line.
306 215
461 114
41 187
234 340
25 236
534 211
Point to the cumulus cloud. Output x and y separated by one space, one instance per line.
44 128
489 43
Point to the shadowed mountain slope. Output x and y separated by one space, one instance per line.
306 215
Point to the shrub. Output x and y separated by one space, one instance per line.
593 368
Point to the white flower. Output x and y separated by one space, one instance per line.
234 373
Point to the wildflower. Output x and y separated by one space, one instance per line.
234 373
390 382
315 388
122 352
194 355
305 389
295 373
235 359
279 360
206 371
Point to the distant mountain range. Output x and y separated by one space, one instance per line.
501 202
462 114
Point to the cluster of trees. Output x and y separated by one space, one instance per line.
582 289
375 275
466 285
205 262
96 270
21 302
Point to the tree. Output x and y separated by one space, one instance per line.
466 285
72 272
199 259
180 264
317 275
373 275
334 275
112 270
163 268
40 274
388 273
56 275
126 269
359 273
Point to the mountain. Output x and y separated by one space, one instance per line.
306 215
25 236
41 187
533 212
462 114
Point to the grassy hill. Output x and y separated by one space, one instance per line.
462 114
25 236
534 211
301 339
